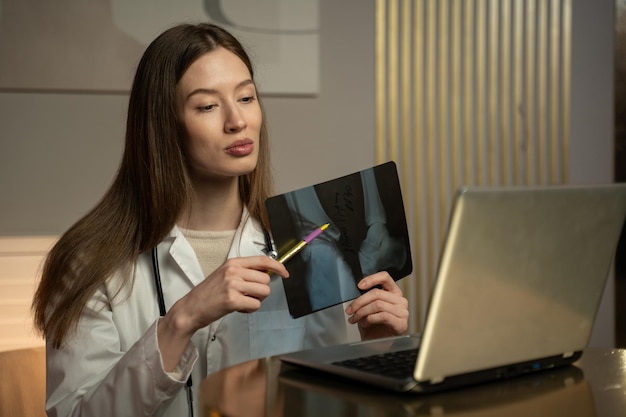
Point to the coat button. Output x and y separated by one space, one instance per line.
213 338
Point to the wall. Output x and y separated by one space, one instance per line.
316 139
591 127
58 152
20 263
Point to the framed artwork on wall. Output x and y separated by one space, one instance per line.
94 45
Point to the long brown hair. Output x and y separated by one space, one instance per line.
151 187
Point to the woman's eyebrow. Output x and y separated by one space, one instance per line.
214 91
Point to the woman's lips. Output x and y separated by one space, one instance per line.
240 148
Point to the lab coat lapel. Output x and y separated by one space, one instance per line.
249 239
185 258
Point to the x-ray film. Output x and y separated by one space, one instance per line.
367 233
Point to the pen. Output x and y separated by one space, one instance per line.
293 251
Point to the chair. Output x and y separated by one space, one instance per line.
23 382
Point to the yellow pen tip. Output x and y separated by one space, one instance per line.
324 227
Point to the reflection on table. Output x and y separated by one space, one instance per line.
595 386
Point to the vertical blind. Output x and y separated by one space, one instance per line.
468 92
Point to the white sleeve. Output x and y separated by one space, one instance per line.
90 375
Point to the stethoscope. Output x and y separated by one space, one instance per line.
269 250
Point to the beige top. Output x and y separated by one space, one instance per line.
211 248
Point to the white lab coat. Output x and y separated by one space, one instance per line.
112 367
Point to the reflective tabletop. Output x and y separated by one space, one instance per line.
593 386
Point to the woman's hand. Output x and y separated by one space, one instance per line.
240 284
380 312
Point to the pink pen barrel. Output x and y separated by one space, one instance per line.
315 233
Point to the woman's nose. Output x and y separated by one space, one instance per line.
234 120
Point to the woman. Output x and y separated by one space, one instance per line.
190 191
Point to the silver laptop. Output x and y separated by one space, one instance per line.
519 283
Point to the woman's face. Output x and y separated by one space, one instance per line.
217 106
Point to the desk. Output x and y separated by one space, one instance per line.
595 386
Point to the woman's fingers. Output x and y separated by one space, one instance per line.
382 310
260 264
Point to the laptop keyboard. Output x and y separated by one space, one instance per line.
398 364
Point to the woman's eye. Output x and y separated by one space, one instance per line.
206 108
248 99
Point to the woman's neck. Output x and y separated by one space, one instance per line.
216 206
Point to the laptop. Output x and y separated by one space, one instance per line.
520 280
